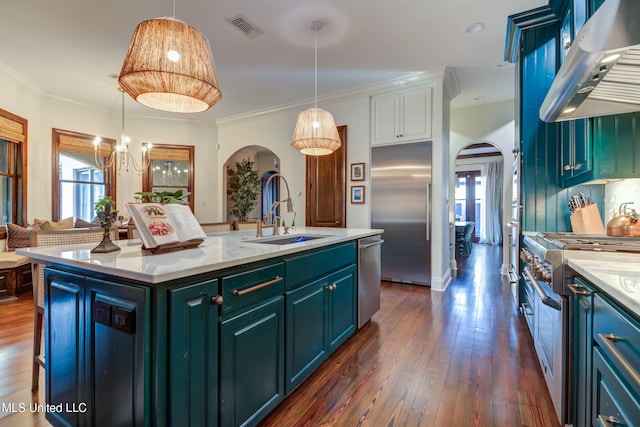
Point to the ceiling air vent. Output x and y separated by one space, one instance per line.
243 24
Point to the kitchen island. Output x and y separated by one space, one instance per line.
215 335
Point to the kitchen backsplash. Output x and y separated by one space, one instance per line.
626 190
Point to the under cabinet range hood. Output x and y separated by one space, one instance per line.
601 72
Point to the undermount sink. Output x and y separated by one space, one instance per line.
287 240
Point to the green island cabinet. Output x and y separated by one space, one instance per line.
220 348
606 360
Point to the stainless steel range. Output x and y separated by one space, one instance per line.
546 304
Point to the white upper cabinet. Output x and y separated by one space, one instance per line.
401 116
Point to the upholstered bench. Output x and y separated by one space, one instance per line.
15 271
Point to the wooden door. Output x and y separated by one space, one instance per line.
326 190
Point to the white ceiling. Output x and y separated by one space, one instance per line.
68 48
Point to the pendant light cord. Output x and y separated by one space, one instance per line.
315 27
122 135
315 74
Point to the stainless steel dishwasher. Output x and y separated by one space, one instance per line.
368 278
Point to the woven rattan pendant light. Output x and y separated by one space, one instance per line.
169 67
316 133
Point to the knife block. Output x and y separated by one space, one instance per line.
587 220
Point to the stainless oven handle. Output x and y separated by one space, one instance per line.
512 277
526 307
608 340
607 421
544 297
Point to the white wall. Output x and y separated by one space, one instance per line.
493 123
44 113
274 131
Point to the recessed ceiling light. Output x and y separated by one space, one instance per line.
474 28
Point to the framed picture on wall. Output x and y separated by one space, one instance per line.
357 171
357 194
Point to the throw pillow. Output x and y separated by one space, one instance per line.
63 224
17 237
81 223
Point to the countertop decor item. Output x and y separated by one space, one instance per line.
627 223
169 67
107 216
316 133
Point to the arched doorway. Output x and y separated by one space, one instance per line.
265 162
478 194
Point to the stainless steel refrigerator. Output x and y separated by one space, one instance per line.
401 205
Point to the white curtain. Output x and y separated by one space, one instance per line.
491 228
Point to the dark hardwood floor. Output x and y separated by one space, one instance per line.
458 358
463 357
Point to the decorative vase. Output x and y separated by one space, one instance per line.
107 217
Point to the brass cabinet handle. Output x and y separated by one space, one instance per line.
256 287
609 340
608 421
332 287
568 167
578 166
575 289
217 300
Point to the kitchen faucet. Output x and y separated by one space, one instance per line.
276 223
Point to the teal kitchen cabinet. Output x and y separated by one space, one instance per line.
615 395
96 349
64 345
252 345
614 404
341 307
193 355
582 349
320 306
617 146
575 138
321 315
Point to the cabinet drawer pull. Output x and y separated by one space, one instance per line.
609 340
568 167
218 300
332 287
575 289
578 166
256 287
608 421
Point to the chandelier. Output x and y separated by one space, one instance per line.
169 67
316 133
120 155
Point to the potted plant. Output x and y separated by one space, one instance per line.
178 196
243 189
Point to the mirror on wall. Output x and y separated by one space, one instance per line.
171 169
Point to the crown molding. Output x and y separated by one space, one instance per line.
444 74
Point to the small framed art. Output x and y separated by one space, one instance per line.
357 194
357 171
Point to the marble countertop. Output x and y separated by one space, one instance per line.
218 251
616 274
